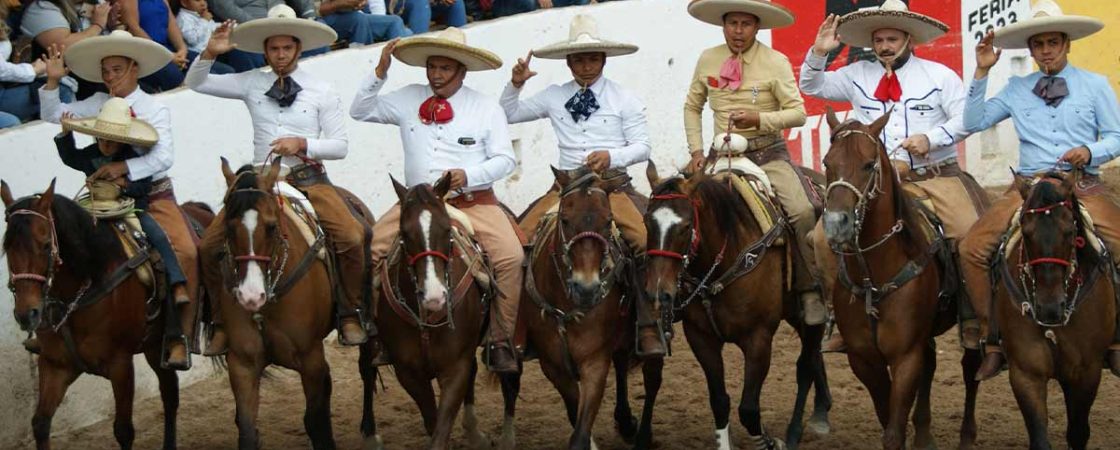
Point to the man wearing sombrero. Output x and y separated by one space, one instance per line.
120 60
751 91
599 124
926 102
298 118
450 129
1065 117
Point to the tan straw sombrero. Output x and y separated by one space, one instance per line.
116 123
1046 17
84 57
770 15
855 28
583 37
449 43
282 21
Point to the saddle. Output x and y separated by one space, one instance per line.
752 184
105 202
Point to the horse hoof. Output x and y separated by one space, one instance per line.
627 429
373 443
479 442
819 427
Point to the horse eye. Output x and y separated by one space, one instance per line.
869 166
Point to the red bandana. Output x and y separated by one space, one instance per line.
889 89
436 109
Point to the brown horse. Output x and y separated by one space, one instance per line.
1056 311
710 262
431 317
283 308
77 290
576 314
890 311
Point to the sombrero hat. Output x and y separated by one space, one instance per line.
115 122
449 43
770 15
583 37
84 57
282 21
855 28
1046 17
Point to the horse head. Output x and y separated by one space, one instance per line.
255 238
672 237
1052 237
584 227
31 244
425 230
856 166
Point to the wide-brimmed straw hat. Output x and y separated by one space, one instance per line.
282 21
856 28
583 37
1046 17
449 43
115 122
770 15
84 57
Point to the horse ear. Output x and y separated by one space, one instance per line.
562 177
272 175
47 198
442 186
399 188
1023 185
6 194
651 174
228 173
830 116
880 123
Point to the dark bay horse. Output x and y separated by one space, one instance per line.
888 301
283 308
76 288
1057 306
431 318
702 235
577 316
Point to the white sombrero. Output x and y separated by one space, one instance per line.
1046 17
856 28
583 37
115 122
770 15
84 57
449 43
282 21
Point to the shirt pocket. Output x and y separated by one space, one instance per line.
1083 114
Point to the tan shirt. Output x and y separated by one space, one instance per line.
768 87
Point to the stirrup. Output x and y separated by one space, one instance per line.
165 352
661 335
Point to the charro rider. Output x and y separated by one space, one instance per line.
926 103
450 129
751 91
599 124
1065 117
296 117
120 60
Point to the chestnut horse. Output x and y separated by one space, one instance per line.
890 310
710 263
77 290
1058 306
430 317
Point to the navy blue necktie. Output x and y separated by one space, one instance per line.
582 105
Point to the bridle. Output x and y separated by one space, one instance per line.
54 260
239 263
608 267
1074 278
871 190
419 316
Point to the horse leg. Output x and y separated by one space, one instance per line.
419 387
1030 394
874 376
1080 393
315 375
168 394
624 420
756 350
810 374
370 439
123 378
567 386
245 381
970 364
708 351
476 440
591 388
53 382
923 437
906 375
511 387
453 390
651 376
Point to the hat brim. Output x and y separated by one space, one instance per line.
415 51
84 57
770 15
140 133
561 50
251 35
1017 34
856 28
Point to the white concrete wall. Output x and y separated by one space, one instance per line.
206 128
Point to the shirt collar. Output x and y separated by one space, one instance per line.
189 13
748 55
596 87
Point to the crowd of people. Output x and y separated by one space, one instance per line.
29 28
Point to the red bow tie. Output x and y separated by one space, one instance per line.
436 109
888 89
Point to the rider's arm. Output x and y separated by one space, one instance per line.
791 112
51 106
1107 146
694 107
199 79
636 133
332 142
952 130
500 161
517 110
979 115
161 156
72 156
817 81
368 106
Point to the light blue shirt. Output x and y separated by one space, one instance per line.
1088 116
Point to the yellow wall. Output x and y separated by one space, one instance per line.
1100 52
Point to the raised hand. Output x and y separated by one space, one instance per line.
101 15
986 55
386 60
219 40
56 66
827 37
521 72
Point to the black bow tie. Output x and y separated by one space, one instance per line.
284 91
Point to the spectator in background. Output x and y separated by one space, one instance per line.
243 11
352 20
57 22
418 14
17 93
153 20
196 23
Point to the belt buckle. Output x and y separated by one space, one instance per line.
921 171
469 196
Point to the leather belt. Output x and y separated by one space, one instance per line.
469 199
305 175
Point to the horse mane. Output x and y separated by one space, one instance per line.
246 194
731 212
88 247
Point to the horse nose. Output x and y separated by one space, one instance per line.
1052 310
251 297
582 291
28 321
838 226
434 299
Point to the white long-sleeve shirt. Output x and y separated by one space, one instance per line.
13 73
316 114
932 101
476 140
618 126
196 29
159 158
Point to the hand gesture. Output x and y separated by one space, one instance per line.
917 145
101 15
288 146
219 40
55 65
180 59
382 69
521 72
598 161
458 178
827 37
1077 157
40 67
986 54
695 164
